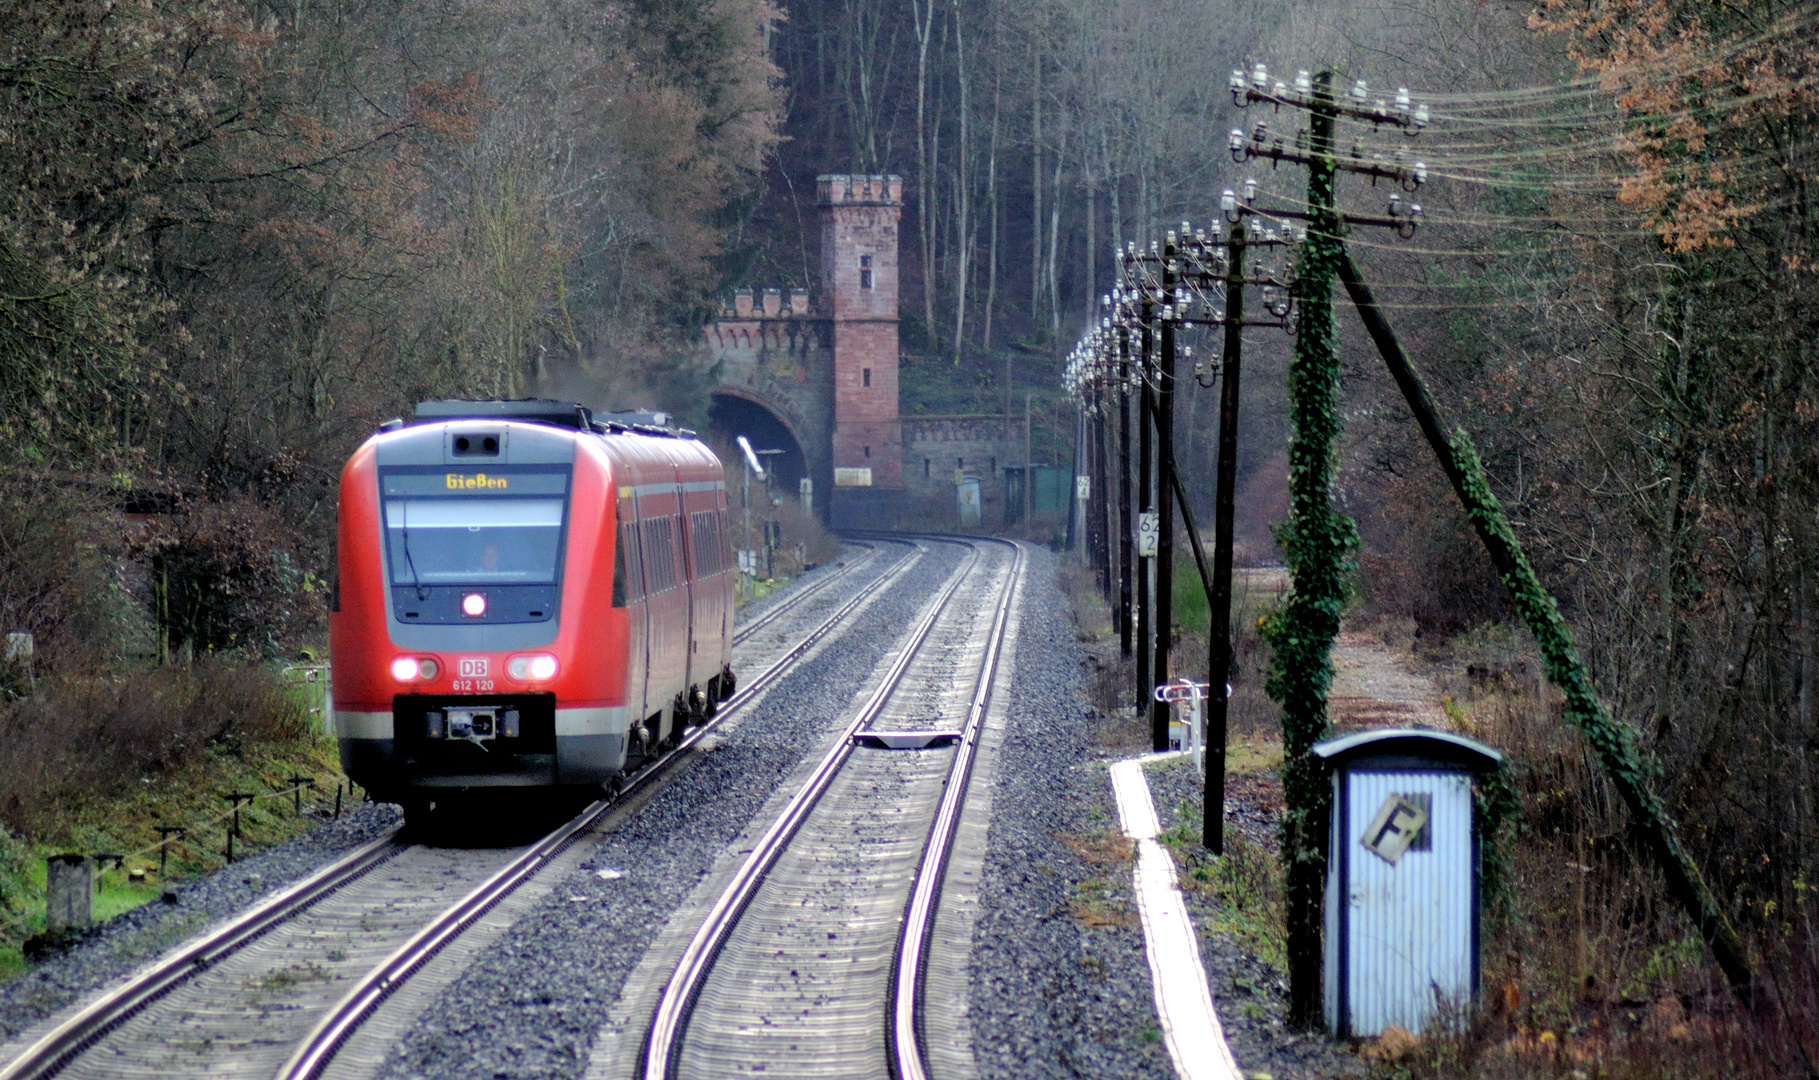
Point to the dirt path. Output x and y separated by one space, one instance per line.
1373 687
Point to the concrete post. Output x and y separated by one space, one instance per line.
69 902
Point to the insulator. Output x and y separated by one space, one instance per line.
1228 205
1304 83
1395 204
1420 173
1360 91
1106 300
1414 211
1250 191
1402 100
1260 133
1236 142
1200 237
1421 116
1236 82
1260 76
1281 90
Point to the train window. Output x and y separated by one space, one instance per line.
464 541
708 548
623 585
660 554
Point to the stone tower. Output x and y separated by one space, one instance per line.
858 295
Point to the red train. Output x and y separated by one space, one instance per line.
526 597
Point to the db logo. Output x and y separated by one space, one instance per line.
473 667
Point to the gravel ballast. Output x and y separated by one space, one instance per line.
532 1004
121 945
1060 981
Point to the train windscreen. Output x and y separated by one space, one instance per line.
474 541
467 546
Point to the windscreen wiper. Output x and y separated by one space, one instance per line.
404 523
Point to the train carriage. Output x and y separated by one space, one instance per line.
526 597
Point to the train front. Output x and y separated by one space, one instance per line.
473 638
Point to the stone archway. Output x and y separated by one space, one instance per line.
736 412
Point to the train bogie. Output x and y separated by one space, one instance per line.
525 598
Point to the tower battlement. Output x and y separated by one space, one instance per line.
836 189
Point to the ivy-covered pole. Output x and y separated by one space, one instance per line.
1610 740
1318 542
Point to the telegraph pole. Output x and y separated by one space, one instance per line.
1146 411
1126 524
1165 518
1219 619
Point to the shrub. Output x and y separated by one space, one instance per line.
85 738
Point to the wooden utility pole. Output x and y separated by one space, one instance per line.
1146 411
1318 542
1127 529
1219 618
1165 516
1098 492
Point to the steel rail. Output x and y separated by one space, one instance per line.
663 1038
908 1050
317 1049
68 1040
801 596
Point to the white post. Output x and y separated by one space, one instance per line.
1194 712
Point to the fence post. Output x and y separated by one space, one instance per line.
69 893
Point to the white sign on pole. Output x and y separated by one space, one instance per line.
1147 531
1083 488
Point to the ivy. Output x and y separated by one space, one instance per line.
1610 740
1318 543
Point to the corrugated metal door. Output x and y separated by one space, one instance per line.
1409 937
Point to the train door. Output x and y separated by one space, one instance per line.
691 588
638 660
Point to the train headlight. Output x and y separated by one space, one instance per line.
540 667
473 604
415 669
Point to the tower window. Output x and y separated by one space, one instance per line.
868 376
928 465
865 274
868 451
959 463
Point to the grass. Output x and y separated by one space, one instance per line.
1240 891
72 817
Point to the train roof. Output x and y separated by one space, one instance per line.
566 414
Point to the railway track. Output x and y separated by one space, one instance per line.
814 958
281 989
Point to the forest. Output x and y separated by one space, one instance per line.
236 235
